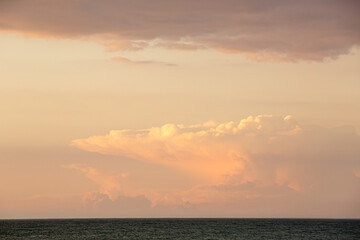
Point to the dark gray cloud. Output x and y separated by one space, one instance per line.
279 29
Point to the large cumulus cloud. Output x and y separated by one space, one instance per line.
209 150
280 29
264 157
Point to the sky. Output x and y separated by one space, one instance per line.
232 108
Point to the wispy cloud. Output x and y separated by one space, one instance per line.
111 185
126 60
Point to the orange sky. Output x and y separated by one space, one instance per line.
179 108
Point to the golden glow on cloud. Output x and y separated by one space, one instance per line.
208 150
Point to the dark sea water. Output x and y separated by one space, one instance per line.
180 229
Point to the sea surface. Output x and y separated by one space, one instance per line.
180 229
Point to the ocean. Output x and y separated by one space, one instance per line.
247 229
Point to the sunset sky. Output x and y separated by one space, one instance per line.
177 108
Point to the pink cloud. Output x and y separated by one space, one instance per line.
111 185
262 159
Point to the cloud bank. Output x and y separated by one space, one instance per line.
277 30
264 159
